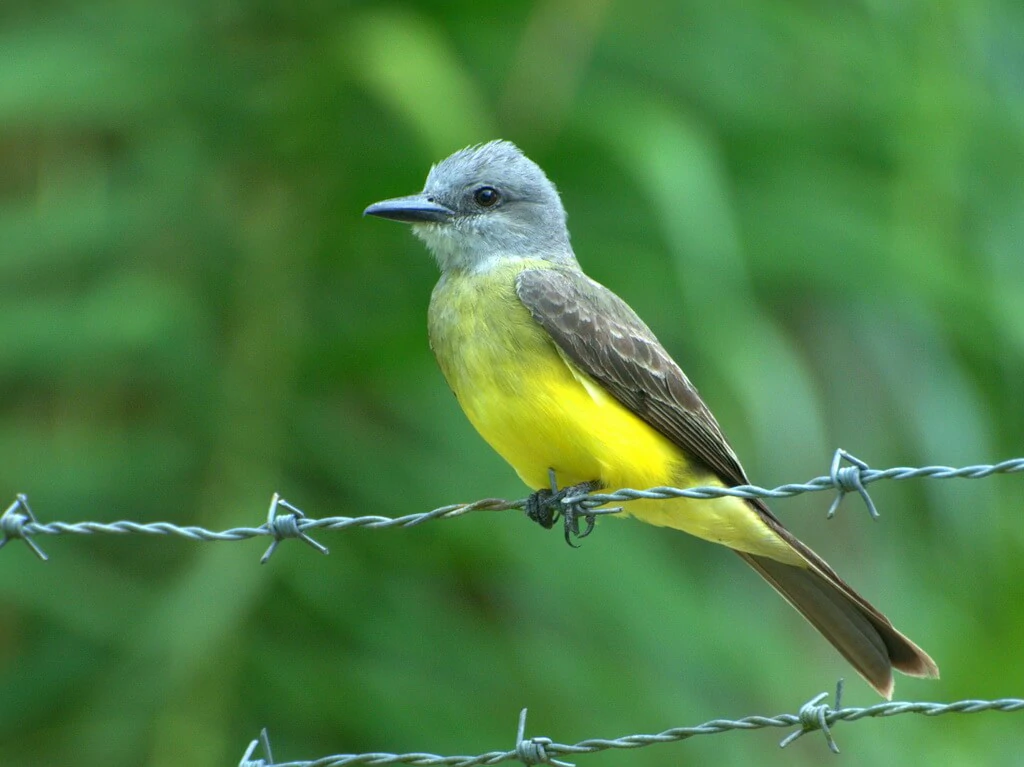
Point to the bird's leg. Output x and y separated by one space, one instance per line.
546 506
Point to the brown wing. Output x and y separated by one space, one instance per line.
605 338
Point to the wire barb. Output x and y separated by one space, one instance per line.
264 741
813 716
286 526
13 524
847 479
531 751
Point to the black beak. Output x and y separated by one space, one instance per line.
414 209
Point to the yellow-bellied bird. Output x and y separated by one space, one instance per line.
563 379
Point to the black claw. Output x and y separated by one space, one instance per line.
545 507
539 508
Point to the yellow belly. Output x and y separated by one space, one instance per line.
539 412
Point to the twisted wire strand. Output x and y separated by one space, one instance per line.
285 520
812 716
844 480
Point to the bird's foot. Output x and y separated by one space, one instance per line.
546 506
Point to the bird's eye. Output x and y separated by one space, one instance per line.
486 196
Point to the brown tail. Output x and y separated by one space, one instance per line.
861 633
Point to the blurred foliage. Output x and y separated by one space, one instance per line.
818 206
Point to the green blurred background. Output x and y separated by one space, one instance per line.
818 206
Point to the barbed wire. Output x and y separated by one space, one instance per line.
285 520
813 715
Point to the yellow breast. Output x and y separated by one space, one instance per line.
534 408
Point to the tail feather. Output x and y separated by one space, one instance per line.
853 625
855 628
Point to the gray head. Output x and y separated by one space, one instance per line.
484 203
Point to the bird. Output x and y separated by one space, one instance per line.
566 383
